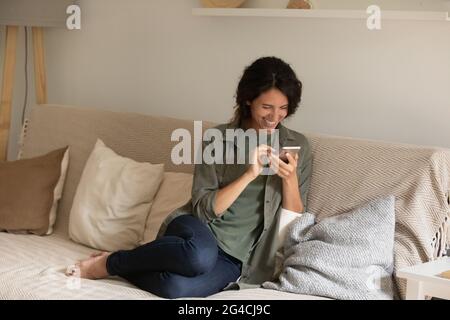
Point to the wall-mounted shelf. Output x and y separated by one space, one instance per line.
318 13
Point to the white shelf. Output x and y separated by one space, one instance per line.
317 13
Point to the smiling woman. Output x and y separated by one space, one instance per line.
267 111
268 92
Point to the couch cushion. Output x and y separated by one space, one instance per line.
32 267
348 256
29 192
113 200
175 191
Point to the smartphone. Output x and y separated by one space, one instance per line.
291 150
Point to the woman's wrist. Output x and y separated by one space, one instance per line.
291 180
249 175
291 194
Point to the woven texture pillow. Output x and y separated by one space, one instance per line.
113 200
349 256
30 190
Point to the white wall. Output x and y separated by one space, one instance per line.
154 57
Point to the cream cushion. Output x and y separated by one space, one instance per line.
113 200
174 192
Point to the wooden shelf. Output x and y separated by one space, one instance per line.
317 13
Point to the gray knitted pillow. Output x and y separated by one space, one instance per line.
348 256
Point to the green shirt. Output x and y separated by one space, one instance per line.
237 230
240 226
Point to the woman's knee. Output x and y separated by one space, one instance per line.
189 227
200 244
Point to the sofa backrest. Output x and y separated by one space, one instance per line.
346 172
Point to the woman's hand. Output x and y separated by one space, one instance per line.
257 160
286 171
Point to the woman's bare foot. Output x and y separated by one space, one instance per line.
93 267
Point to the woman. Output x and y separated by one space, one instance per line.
227 233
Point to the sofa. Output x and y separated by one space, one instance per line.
346 173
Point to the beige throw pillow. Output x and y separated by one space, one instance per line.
174 192
30 190
113 200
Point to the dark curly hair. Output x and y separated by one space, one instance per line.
262 75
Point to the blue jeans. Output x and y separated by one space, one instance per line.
185 262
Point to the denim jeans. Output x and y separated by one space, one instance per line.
185 262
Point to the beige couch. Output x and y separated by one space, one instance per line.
346 173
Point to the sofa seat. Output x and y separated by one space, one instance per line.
32 267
